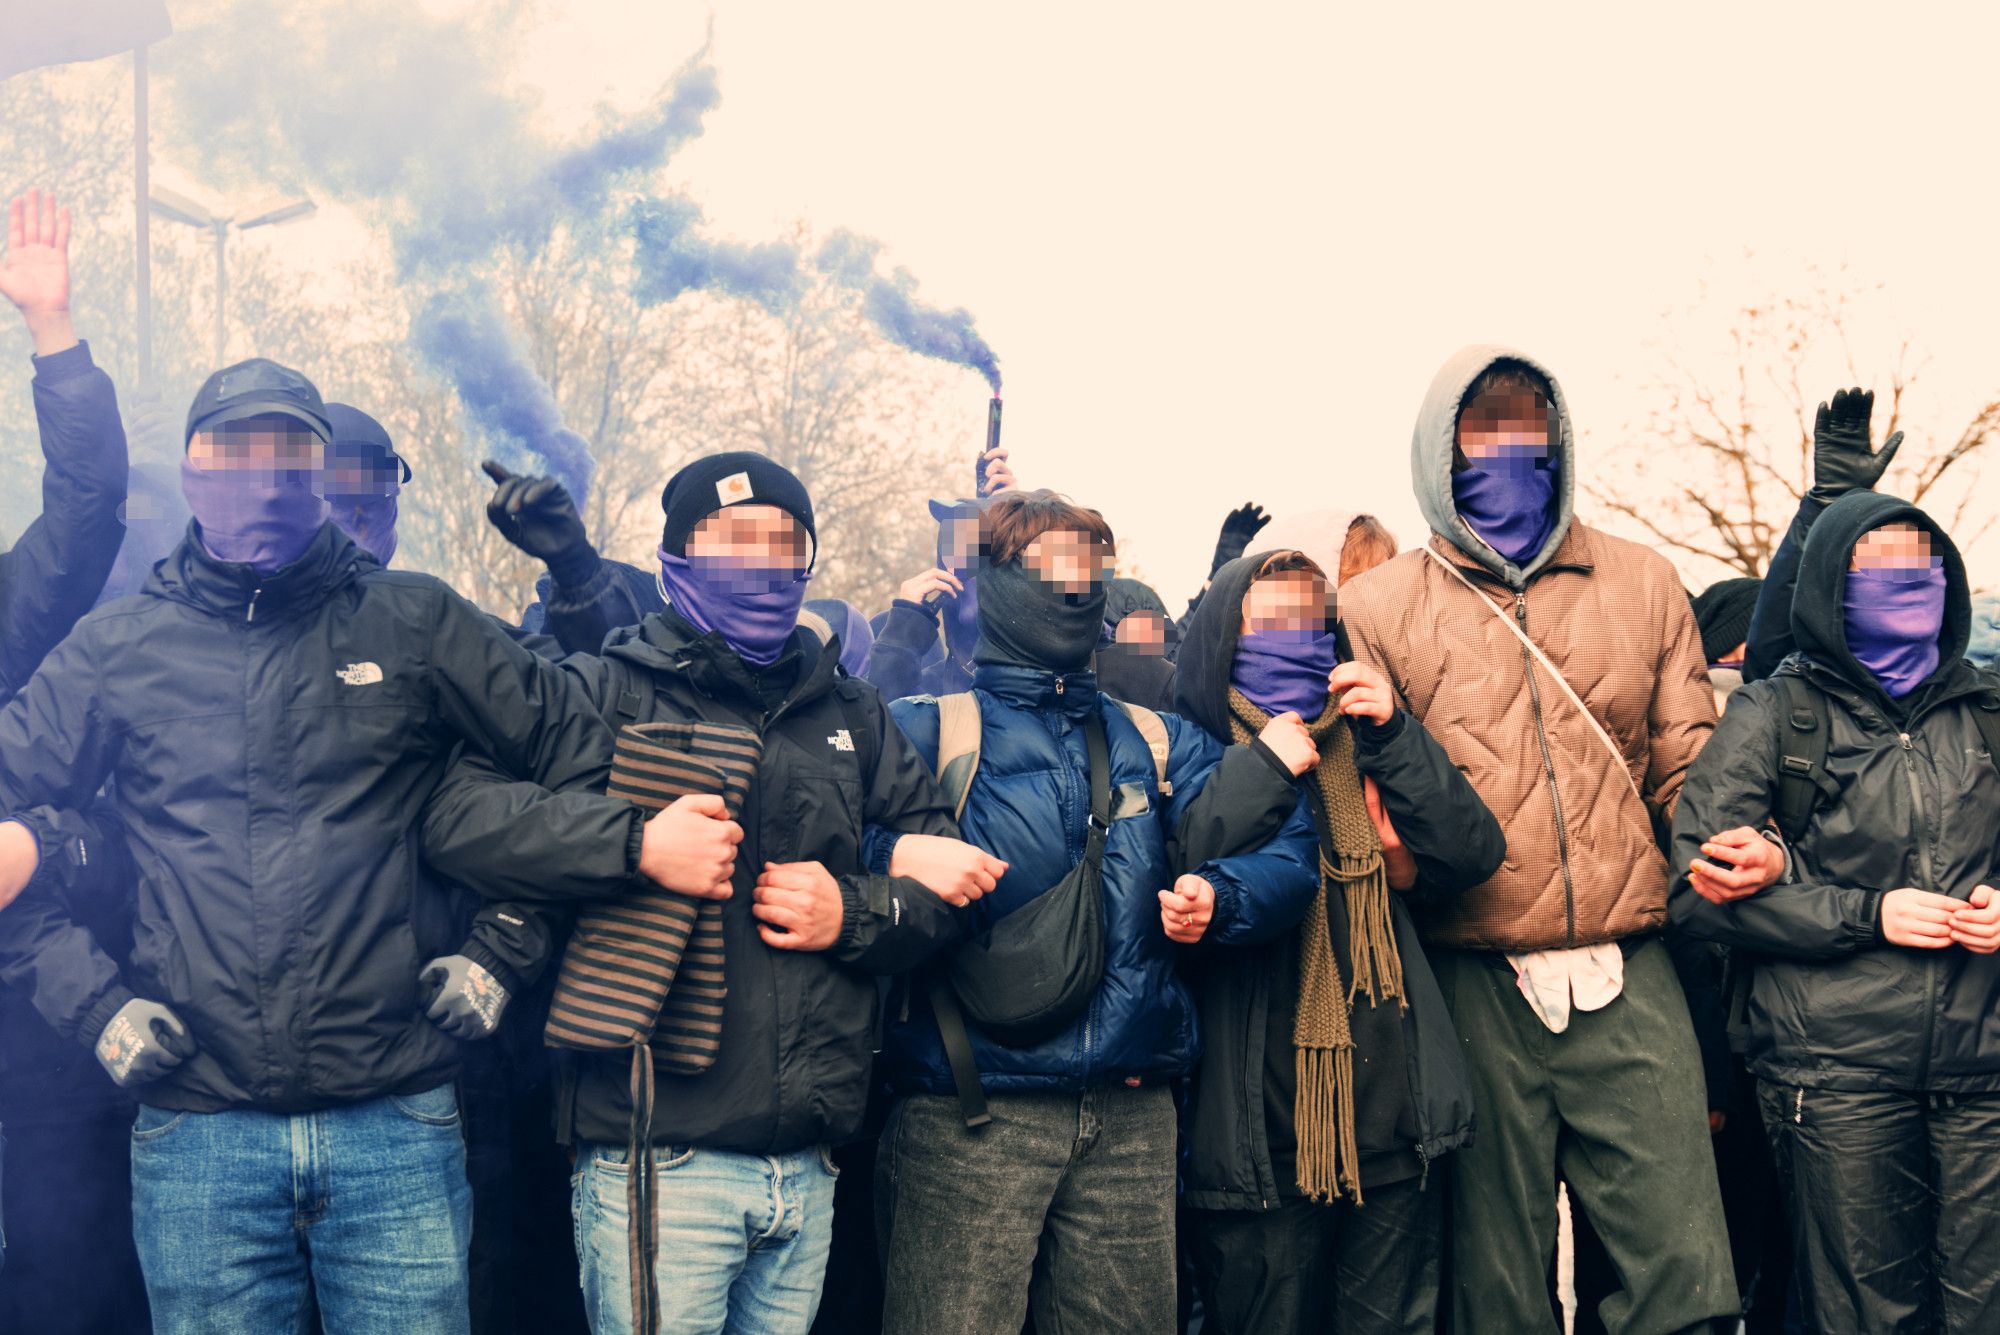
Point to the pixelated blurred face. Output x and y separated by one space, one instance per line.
1505 429
352 472
1074 564
1895 547
750 548
1147 630
1294 604
268 449
962 549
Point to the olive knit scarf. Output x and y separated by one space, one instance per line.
1323 1112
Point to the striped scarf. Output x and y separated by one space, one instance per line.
1329 1159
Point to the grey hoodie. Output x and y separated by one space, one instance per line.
1437 432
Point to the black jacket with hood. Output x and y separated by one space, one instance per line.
1830 1004
271 740
1241 1142
799 1028
1128 672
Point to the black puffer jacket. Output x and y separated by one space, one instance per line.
799 1029
271 743
1414 1101
1830 1004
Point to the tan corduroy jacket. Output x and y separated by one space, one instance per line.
1582 864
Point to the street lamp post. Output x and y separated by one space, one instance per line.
179 208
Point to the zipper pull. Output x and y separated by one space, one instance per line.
251 614
1059 688
1799 1108
1521 607
1904 738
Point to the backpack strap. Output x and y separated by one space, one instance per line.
1986 714
958 746
628 694
1154 729
1803 730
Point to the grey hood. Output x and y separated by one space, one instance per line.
1430 458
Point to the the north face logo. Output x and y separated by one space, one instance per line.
841 741
359 674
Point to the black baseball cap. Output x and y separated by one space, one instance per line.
253 388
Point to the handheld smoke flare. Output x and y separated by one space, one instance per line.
992 444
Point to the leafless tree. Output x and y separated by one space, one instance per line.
1716 471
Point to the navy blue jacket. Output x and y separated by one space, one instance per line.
1029 805
54 573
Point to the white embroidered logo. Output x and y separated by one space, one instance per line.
359 674
841 741
734 488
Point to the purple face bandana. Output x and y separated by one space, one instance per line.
755 611
369 520
1284 671
1509 501
265 522
1894 616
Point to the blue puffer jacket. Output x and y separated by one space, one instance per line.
1033 781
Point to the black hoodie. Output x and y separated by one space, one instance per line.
1831 1005
1421 1105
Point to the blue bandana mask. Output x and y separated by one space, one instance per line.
1509 502
1285 671
369 520
263 523
1894 616
754 611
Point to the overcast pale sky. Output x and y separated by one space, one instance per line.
1221 249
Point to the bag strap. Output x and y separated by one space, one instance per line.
950 1017
627 702
1153 729
1623 767
1986 714
958 746
1803 732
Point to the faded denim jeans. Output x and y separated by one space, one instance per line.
742 1238
1064 1202
243 1219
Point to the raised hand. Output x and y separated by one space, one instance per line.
1238 527
35 273
536 514
1843 460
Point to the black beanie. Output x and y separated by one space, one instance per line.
739 477
1722 611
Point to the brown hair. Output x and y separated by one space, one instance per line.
1507 376
1369 543
1016 518
1277 563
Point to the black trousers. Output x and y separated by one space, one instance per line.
1894 1201
71 1268
1305 1268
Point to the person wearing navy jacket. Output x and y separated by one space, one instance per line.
1066 1197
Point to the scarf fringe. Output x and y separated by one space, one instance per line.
1371 934
1329 1158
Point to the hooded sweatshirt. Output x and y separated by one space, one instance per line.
1140 675
1583 864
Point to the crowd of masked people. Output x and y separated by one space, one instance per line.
694 956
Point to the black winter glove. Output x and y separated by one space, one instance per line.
464 999
1843 460
1238 527
143 1042
537 515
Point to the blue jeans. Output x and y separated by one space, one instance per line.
244 1218
743 1239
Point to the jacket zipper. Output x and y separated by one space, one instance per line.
1924 866
251 613
1548 767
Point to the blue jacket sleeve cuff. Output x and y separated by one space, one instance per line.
64 365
